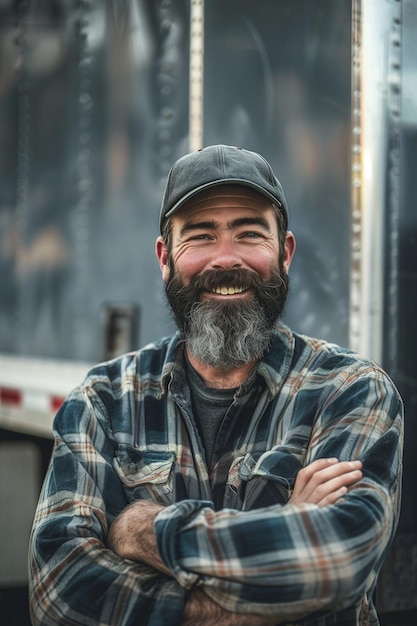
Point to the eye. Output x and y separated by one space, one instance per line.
251 234
199 237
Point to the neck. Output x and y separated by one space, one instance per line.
221 378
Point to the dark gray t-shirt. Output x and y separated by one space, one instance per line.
210 405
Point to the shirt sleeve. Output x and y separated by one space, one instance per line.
290 560
74 578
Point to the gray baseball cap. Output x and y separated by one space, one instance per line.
219 165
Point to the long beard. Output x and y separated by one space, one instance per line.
229 333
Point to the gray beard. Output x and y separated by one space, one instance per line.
227 335
231 332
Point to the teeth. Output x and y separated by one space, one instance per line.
228 291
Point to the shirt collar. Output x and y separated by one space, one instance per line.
273 367
276 362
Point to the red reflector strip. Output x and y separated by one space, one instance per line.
56 402
10 396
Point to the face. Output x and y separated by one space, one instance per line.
226 228
226 272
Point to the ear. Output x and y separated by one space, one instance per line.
289 250
161 252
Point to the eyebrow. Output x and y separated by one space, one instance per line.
237 223
206 225
251 221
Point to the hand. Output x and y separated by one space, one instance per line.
132 536
324 481
201 610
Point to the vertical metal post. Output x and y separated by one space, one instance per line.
356 179
24 120
396 123
196 74
85 178
372 22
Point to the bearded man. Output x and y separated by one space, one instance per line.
237 473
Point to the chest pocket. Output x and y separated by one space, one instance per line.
265 480
146 475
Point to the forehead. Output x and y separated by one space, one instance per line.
226 197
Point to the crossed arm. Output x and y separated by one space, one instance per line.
132 536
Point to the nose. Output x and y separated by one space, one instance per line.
225 255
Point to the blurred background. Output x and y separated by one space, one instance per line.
97 99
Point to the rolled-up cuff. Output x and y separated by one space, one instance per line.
168 523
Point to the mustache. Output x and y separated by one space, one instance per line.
210 280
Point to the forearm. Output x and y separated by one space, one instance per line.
320 569
132 536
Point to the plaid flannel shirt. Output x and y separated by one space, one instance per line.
128 433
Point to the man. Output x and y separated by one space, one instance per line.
236 473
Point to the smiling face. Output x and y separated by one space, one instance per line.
225 270
226 227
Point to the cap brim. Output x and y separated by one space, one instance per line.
217 183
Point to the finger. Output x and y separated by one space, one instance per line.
314 481
307 473
335 470
331 490
331 498
304 486
320 472
328 481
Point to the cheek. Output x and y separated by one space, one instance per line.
262 264
188 266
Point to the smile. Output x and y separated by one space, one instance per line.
228 291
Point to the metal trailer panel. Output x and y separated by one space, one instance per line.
94 109
277 80
399 580
97 101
